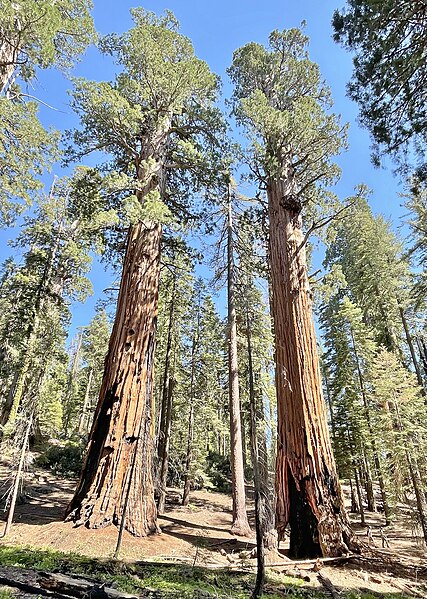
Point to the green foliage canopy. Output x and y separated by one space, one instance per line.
390 70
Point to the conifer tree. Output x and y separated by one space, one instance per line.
240 524
174 309
378 277
34 34
400 416
57 241
94 350
349 352
200 396
281 101
388 39
150 120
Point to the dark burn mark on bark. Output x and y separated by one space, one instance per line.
304 540
292 204
96 453
129 439
106 451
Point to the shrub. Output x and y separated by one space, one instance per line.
65 459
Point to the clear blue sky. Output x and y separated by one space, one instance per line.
217 29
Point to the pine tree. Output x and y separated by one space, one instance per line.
378 277
94 351
57 243
240 524
200 396
174 308
399 408
388 39
349 351
33 34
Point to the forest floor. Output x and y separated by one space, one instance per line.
196 538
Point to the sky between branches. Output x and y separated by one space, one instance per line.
216 30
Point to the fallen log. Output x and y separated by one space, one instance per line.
79 587
408 590
30 588
312 562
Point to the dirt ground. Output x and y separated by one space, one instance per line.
198 534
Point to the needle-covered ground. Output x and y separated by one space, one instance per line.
203 559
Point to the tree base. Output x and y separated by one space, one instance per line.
241 529
136 529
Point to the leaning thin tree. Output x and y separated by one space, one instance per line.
151 119
280 100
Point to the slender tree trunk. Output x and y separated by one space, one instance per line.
164 463
375 453
122 431
359 496
309 496
240 525
188 457
18 476
354 509
412 350
260 489
190 435
69 392
422 349
263 499
86 403
7 406
370 496
419 493
166 411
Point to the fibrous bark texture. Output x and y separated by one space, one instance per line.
309 496
116 481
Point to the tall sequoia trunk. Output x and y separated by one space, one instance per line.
240 524
309 496
121 438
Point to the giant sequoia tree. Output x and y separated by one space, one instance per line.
281 101
148 121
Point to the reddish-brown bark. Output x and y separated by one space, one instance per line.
309 497
116 480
